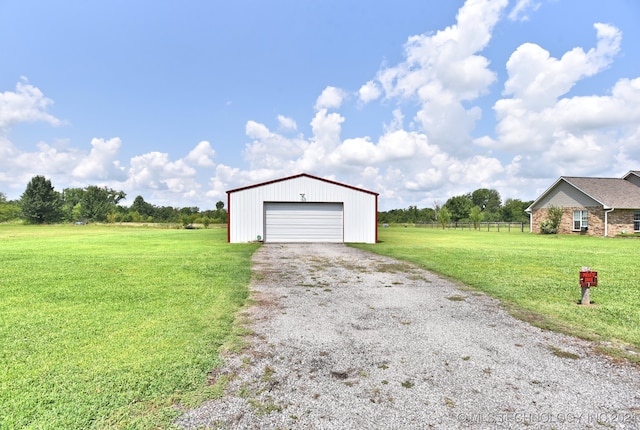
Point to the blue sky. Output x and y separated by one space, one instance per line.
417 100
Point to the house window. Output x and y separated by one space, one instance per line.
580 220
636 220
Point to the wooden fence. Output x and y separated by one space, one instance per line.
482 226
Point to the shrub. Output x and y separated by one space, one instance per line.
546 227
552 223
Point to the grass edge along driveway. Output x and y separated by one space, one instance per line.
536 277
110 327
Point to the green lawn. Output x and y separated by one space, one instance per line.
536 276
110 327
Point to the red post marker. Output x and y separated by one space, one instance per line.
588 279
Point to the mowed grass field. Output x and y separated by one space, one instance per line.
537 277
114 327
107 327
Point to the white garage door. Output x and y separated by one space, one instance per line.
303 222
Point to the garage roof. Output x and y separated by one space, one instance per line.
299 176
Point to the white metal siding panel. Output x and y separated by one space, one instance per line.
303 222
246 207
360 217
245 217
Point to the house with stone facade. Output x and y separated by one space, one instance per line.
602 207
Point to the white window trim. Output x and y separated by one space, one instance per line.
583 219
636 214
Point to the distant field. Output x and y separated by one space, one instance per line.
111 326
536 276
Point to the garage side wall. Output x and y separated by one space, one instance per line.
246 207
360 217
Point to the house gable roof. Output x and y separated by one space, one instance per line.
632 173
299 176
609 192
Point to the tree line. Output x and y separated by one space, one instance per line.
481 205
42 204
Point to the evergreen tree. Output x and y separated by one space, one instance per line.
40 203
146 210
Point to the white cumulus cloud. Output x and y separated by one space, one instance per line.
558 133
286 123
202 155
369 92
155 171
331 98
26 104
522 8
442 71
101 162
536 79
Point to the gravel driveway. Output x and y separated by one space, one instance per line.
345 339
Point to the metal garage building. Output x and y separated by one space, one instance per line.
302 208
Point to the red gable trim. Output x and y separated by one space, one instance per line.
228 218
377 219
299 176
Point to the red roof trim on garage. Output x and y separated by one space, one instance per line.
228 218
299 176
